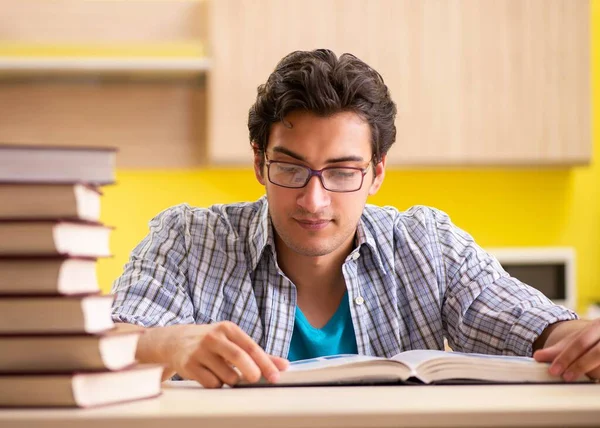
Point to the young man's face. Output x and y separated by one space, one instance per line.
312 221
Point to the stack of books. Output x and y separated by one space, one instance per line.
58 344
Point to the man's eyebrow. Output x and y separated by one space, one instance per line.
346 159
284 151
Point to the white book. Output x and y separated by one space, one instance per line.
420 366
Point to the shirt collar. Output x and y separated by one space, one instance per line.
366 237
261 234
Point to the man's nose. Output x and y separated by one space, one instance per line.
314 197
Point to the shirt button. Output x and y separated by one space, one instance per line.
359 300
355 255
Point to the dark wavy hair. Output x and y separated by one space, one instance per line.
323 84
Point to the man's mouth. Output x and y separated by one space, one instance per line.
313 224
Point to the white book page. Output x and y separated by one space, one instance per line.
499 358
330 361
416 357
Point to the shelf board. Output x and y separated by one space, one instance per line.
89 65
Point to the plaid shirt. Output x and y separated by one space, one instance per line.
413 279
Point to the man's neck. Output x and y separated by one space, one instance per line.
319 280
313 275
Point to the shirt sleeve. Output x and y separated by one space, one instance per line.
152 291
485 310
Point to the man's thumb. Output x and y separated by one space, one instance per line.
280 363
547 355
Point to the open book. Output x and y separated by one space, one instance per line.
421 366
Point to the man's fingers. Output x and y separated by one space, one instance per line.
589 364
281 363
269 370
239 358
547 355
221 369
247 356
574 349
232 344
204 376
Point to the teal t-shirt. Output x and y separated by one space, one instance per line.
335 337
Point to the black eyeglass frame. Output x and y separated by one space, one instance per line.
318 173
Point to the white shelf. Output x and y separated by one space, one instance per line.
103 65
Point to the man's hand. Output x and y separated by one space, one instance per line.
573 348
212 354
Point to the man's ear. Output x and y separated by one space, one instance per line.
259 164
379 174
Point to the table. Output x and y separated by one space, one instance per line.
187 405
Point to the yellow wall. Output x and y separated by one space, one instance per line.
502 207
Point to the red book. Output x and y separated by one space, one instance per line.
75 201
57 164
112 350
53 275
80 389
46 237
55 315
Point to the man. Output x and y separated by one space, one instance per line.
310 269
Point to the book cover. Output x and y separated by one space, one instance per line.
36 353
59 164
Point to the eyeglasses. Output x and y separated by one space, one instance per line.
334 179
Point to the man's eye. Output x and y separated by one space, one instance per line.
341 173
289 169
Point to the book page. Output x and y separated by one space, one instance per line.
417 357
330 361
414 358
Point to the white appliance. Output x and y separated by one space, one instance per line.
548 269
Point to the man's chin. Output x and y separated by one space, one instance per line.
315 250
312 252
